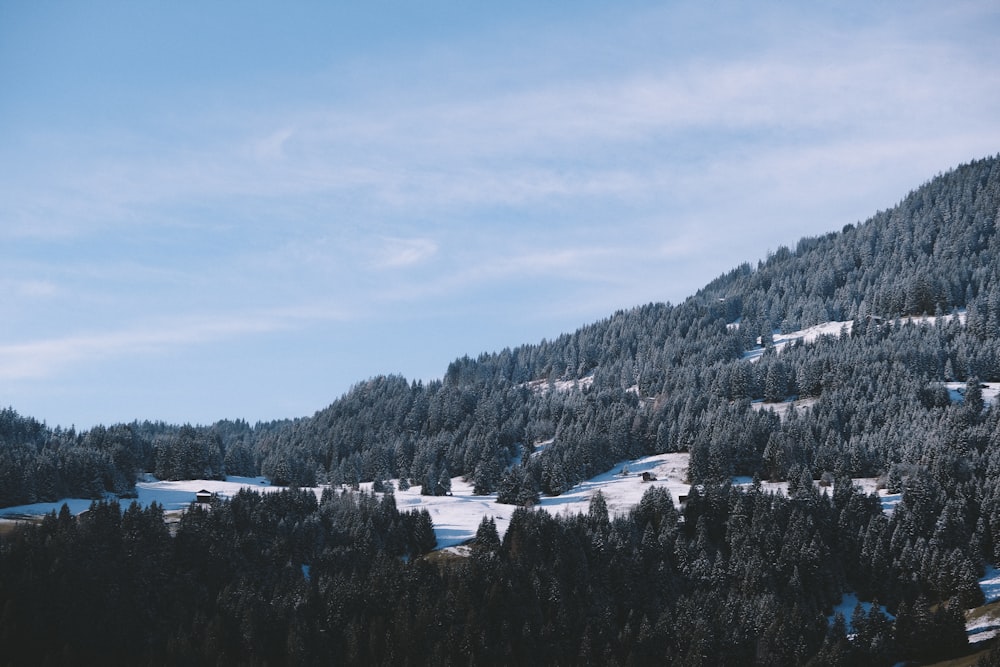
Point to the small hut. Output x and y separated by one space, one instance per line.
203 497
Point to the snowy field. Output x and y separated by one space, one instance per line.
984 623
957 391
456 517
867 485
848 603
808 335
172 495
542 386
781 409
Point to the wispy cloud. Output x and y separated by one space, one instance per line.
398 253
45 358
614 136
272 147
30 289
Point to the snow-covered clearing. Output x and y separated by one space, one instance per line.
889 500
980 626
808 335
456 517
542 386
956 390
781 409
848 603
991 390
983 622
990 583
931 320
868 485
171 495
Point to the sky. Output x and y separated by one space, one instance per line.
240 209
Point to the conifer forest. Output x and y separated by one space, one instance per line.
736 575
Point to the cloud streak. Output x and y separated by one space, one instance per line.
46 358
552 140
397 253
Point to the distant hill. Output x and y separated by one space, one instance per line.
935 252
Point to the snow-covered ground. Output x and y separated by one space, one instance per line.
984 623
781 409
810 334
848 602
456 517
807 335
172 495
889 500
982 627
867 485
931 319
990 391
990 583
541 386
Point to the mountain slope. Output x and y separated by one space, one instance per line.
733 576
653 373
934 252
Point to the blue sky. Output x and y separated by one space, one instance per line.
240 209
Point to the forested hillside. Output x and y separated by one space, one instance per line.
734 577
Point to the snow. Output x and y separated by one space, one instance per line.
990 583
542 386
982 628
781 409
779 488
848 602
868 485
456 517
178 495
931 320
540 447
810 334
807 335
171 495
956 390
76 505
983 623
